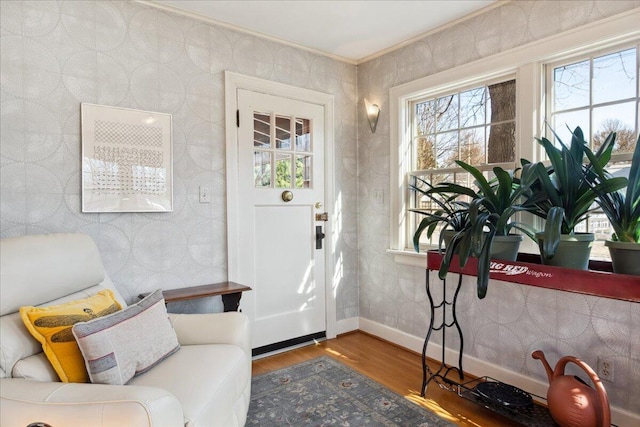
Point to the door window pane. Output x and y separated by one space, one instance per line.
283 133
274 165
303 135
283 170
262 169
303 171
261 130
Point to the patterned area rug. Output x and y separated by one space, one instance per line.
323 392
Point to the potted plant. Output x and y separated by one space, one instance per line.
623 211
451 214
487 233
564 194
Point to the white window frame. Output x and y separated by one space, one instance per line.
527 64
454 169
583 56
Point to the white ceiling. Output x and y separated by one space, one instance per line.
351 30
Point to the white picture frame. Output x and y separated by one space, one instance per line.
127 160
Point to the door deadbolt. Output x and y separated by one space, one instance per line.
287 196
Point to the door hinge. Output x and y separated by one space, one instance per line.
322 216
238 118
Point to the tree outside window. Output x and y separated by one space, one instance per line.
477 126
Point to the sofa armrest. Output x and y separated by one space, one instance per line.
213 328
83 405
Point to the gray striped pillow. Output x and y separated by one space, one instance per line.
127 343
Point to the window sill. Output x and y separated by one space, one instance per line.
413 259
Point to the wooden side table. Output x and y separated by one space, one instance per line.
231 293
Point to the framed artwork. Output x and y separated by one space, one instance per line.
126 160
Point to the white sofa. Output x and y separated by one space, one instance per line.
206 383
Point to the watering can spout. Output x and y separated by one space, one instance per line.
538 354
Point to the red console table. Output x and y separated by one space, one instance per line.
528 272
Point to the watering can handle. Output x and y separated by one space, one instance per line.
603 401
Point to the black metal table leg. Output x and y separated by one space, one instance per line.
444 369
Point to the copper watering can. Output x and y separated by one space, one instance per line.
571 401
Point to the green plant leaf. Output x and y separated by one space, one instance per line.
505 189
480 181
551 238
484 264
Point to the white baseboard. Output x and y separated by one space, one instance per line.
347 325
477 367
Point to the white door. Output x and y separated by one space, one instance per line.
280 190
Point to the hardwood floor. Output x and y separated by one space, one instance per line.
394 367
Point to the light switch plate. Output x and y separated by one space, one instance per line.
204 195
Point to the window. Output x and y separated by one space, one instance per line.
454 113
599 93
272 139
476 125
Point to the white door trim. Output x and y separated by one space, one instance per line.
233 82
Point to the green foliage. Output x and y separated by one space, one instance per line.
489 212
451 213
564 192
283 174
623 208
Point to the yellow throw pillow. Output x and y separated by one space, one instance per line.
51 326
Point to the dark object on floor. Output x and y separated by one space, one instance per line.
530 416
504 394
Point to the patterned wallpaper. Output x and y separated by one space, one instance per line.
57 54
512 320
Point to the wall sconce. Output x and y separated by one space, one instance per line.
373 112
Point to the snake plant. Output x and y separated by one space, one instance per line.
490 212
565 191
623 208
451 213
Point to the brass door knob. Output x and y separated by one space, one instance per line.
287 196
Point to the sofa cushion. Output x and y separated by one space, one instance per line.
207 379
36 368
51 326
127 343
49 266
